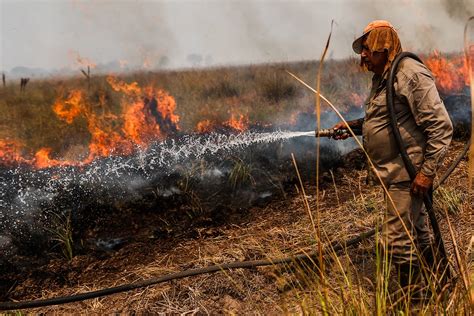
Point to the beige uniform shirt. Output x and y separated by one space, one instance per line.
424 124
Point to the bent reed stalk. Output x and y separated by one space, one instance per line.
318 147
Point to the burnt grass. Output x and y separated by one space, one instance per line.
171 205
138 244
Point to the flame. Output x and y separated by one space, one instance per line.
147 114
10 152
451 73
204 126
70 108
139 126
42 159
120 86
167 106
238 122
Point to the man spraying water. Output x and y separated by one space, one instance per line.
425 130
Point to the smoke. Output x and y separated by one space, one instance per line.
459 10
150 32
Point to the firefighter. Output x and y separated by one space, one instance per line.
426 130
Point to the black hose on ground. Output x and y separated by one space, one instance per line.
303 259
427 198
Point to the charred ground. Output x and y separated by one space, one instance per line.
278 228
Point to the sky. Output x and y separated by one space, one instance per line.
55 34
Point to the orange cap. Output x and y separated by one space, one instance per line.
357 44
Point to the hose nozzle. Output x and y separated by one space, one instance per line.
331 133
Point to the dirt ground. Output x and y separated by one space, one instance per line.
347 207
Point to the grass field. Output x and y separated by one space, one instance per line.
204 100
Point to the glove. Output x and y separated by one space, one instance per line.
421 185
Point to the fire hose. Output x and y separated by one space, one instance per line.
301 259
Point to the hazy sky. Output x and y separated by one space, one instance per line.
53 33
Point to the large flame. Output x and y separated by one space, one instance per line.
147 114
451 73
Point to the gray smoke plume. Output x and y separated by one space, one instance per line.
221 32
459 10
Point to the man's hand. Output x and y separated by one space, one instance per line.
421 185
340 125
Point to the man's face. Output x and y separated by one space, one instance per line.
374 61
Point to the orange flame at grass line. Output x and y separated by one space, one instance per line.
451 74
10 152
205 126
120 86
43 160
239 124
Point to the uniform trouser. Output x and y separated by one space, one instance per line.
395 238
